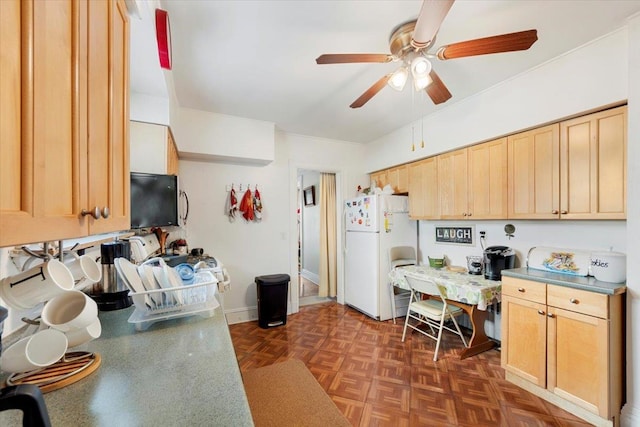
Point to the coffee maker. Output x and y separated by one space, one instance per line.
111 293
496 259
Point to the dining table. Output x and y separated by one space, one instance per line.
472 293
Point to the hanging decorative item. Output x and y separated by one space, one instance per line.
250 206
231 205
257 205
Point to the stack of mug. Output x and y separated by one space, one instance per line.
70 315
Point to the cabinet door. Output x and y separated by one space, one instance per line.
578 359
593 166
379 179
524 339
534 173
452 185
42 150
488 180
108 116
423 189
398 179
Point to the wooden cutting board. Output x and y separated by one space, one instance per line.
70 369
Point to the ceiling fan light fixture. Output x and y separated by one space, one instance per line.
420 67
420 83
399 78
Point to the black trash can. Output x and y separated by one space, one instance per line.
273 291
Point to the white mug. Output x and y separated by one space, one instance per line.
38 284
84 269
33 352
77 337
71 310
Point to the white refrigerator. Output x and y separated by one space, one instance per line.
373 225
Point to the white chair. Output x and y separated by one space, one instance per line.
433 312
399 256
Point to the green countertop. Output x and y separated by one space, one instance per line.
577 282
178 372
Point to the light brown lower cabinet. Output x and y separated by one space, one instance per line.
566 346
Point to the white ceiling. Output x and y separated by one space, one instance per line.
256 59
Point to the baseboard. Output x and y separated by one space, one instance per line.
241 315
314 300
315 278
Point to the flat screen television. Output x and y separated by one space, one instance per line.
154 200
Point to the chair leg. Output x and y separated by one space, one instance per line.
435 355
393 303
455 323
406 319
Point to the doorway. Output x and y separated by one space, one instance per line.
316 252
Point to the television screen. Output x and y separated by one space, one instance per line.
154 200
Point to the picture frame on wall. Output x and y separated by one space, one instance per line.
309 195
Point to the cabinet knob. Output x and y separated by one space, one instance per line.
541 312
95 213
105 212
564 212
550 315
464 214
521 290
574 301
555 212
469 214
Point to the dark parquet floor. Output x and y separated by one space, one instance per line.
377 380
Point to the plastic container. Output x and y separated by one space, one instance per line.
436 262
198 298
273 291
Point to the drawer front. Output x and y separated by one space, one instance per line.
579 301
525 289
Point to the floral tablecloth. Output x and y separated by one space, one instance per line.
462 287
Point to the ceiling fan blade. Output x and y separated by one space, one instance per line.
431 16
511 42
346 58
371 92
437 91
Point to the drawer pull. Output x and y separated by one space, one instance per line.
574 301
105 212
550 315
540 312
555 212
521 290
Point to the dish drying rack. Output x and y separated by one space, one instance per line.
198 298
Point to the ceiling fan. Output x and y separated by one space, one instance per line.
410 43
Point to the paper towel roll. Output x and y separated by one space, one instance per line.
559 260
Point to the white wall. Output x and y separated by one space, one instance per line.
269 247
311 229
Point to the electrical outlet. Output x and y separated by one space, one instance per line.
483 234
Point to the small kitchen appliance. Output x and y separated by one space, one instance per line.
111 293
496 259
474 264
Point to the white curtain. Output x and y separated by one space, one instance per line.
328 250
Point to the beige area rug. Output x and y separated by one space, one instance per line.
287 394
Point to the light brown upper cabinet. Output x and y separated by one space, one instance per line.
572 170
378 179
487 174
453 184
63 131
423 189
593 166
473 182
534 173
398 179
172 155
